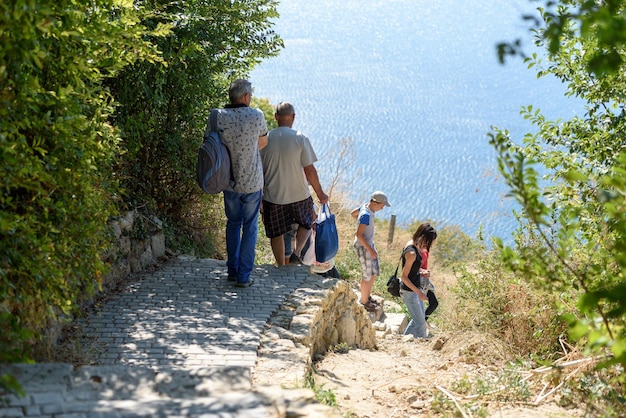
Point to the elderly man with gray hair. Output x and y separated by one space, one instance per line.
244 131
288 170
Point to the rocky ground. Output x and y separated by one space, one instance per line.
419 378
453 373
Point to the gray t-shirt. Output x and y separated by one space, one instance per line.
242 127
287 153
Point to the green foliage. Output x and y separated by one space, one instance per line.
13 343
569 178
600 24
494 302
594 391
56 147
341 348
164 108
268 110
452 247
325 396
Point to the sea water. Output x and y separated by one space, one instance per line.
413 87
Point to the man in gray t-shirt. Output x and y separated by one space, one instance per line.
288 170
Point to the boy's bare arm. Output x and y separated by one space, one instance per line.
355 213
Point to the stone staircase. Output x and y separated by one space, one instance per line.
316 315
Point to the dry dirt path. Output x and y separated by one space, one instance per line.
421 378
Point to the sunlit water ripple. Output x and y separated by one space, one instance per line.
416 85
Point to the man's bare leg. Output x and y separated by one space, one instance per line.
302 236
278 248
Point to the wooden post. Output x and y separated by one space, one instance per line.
392 228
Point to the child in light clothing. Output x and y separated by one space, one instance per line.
364 246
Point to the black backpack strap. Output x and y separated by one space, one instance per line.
399 261
212 126
418 255
211 123
213 119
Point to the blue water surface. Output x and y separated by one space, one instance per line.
415 85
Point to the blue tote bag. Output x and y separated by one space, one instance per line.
326 238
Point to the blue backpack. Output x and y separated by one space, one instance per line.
213 172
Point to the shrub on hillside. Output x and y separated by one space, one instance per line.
568 177
497 302
452 246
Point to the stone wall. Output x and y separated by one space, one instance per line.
321 314
139 242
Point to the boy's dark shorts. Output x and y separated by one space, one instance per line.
279 218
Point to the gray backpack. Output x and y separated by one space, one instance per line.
213 172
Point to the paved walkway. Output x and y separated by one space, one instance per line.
189 315
179 342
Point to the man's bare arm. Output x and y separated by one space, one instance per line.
311 175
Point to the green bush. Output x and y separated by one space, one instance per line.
163 109
507 306
57 148
93 119
569 178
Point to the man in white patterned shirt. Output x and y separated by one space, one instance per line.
244 131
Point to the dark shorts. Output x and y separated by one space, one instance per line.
278 218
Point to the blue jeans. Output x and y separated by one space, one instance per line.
417 325
242 213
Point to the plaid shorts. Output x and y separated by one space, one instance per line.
369 265
279 218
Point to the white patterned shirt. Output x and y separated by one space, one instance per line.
241 128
